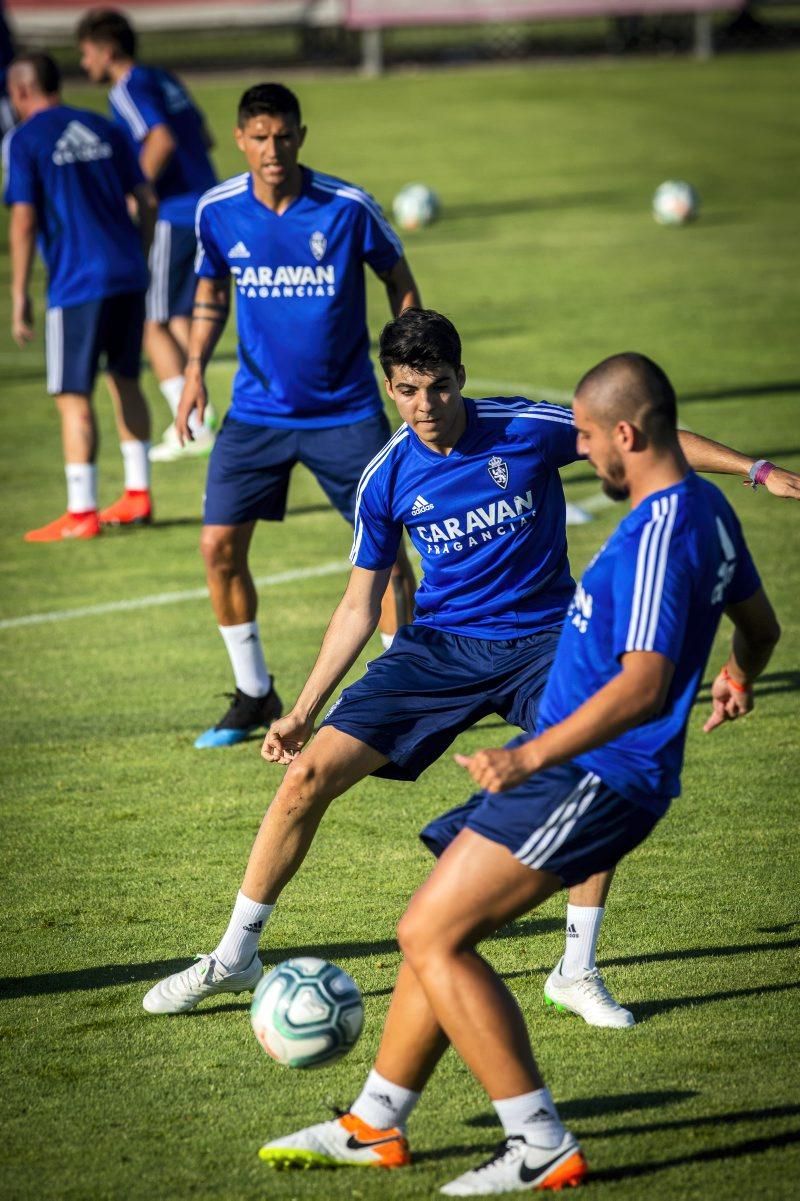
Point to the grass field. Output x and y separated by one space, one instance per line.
123 847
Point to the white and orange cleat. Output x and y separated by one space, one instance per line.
132 508
67 527
521 1167
342 1142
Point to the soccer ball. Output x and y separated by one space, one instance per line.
675 202
307 1012
415 205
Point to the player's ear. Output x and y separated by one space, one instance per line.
238 134
301 136
461 376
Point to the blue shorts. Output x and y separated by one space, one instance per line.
419 695
77 336
563 820
250 466
172 278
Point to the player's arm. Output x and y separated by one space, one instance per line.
354 621
157 149
22 247
637 693
401 288
212 301
703 454
145 213
755 635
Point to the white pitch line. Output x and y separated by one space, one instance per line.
167 598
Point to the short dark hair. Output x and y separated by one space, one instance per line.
270 98
45 70
631 387
108 27
421 339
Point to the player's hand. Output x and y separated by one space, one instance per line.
286 738
194 398
497 770
780 482
22 320
727 703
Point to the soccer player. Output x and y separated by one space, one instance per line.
170 137
476 485
571 800
295 243
68 173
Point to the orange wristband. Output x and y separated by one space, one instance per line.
735 685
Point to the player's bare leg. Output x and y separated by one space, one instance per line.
575 984
447 993
331 764
234 599
165 344
79 440
135 506
397 607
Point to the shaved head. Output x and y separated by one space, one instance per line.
630 387
36 72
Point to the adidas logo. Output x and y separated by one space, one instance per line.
79 144
382 1099
571 931
254 927
420 506
239 251
539 1115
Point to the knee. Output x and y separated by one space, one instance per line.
415 938
218 551
301 785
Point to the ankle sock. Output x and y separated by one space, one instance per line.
246 654
583 929
239 943
533 1115
382 1104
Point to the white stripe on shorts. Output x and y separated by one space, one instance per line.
54 350
157 301
547 838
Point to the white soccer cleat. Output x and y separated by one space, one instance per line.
169 448
520 1167
338 1143
587 996
204 978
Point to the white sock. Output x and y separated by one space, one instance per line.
583 927
81 487
239 943
533 1115
382 1104
137 465
247 658
172 390
386 639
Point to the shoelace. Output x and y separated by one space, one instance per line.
513 1144
594 985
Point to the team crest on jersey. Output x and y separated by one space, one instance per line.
319 244
498 470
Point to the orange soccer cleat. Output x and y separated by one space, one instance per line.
345 1141
132 508
69 525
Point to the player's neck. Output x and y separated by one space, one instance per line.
119 68
655 472
279 198
40 104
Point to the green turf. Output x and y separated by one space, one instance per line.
123 847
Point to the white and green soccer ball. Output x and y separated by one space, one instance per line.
415 205
307 1012
675 202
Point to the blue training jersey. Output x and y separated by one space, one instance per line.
301 298
659 584
149 96
488 519
75 168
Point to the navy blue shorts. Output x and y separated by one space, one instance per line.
563 820
172 278
250 466
419 695
76 337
